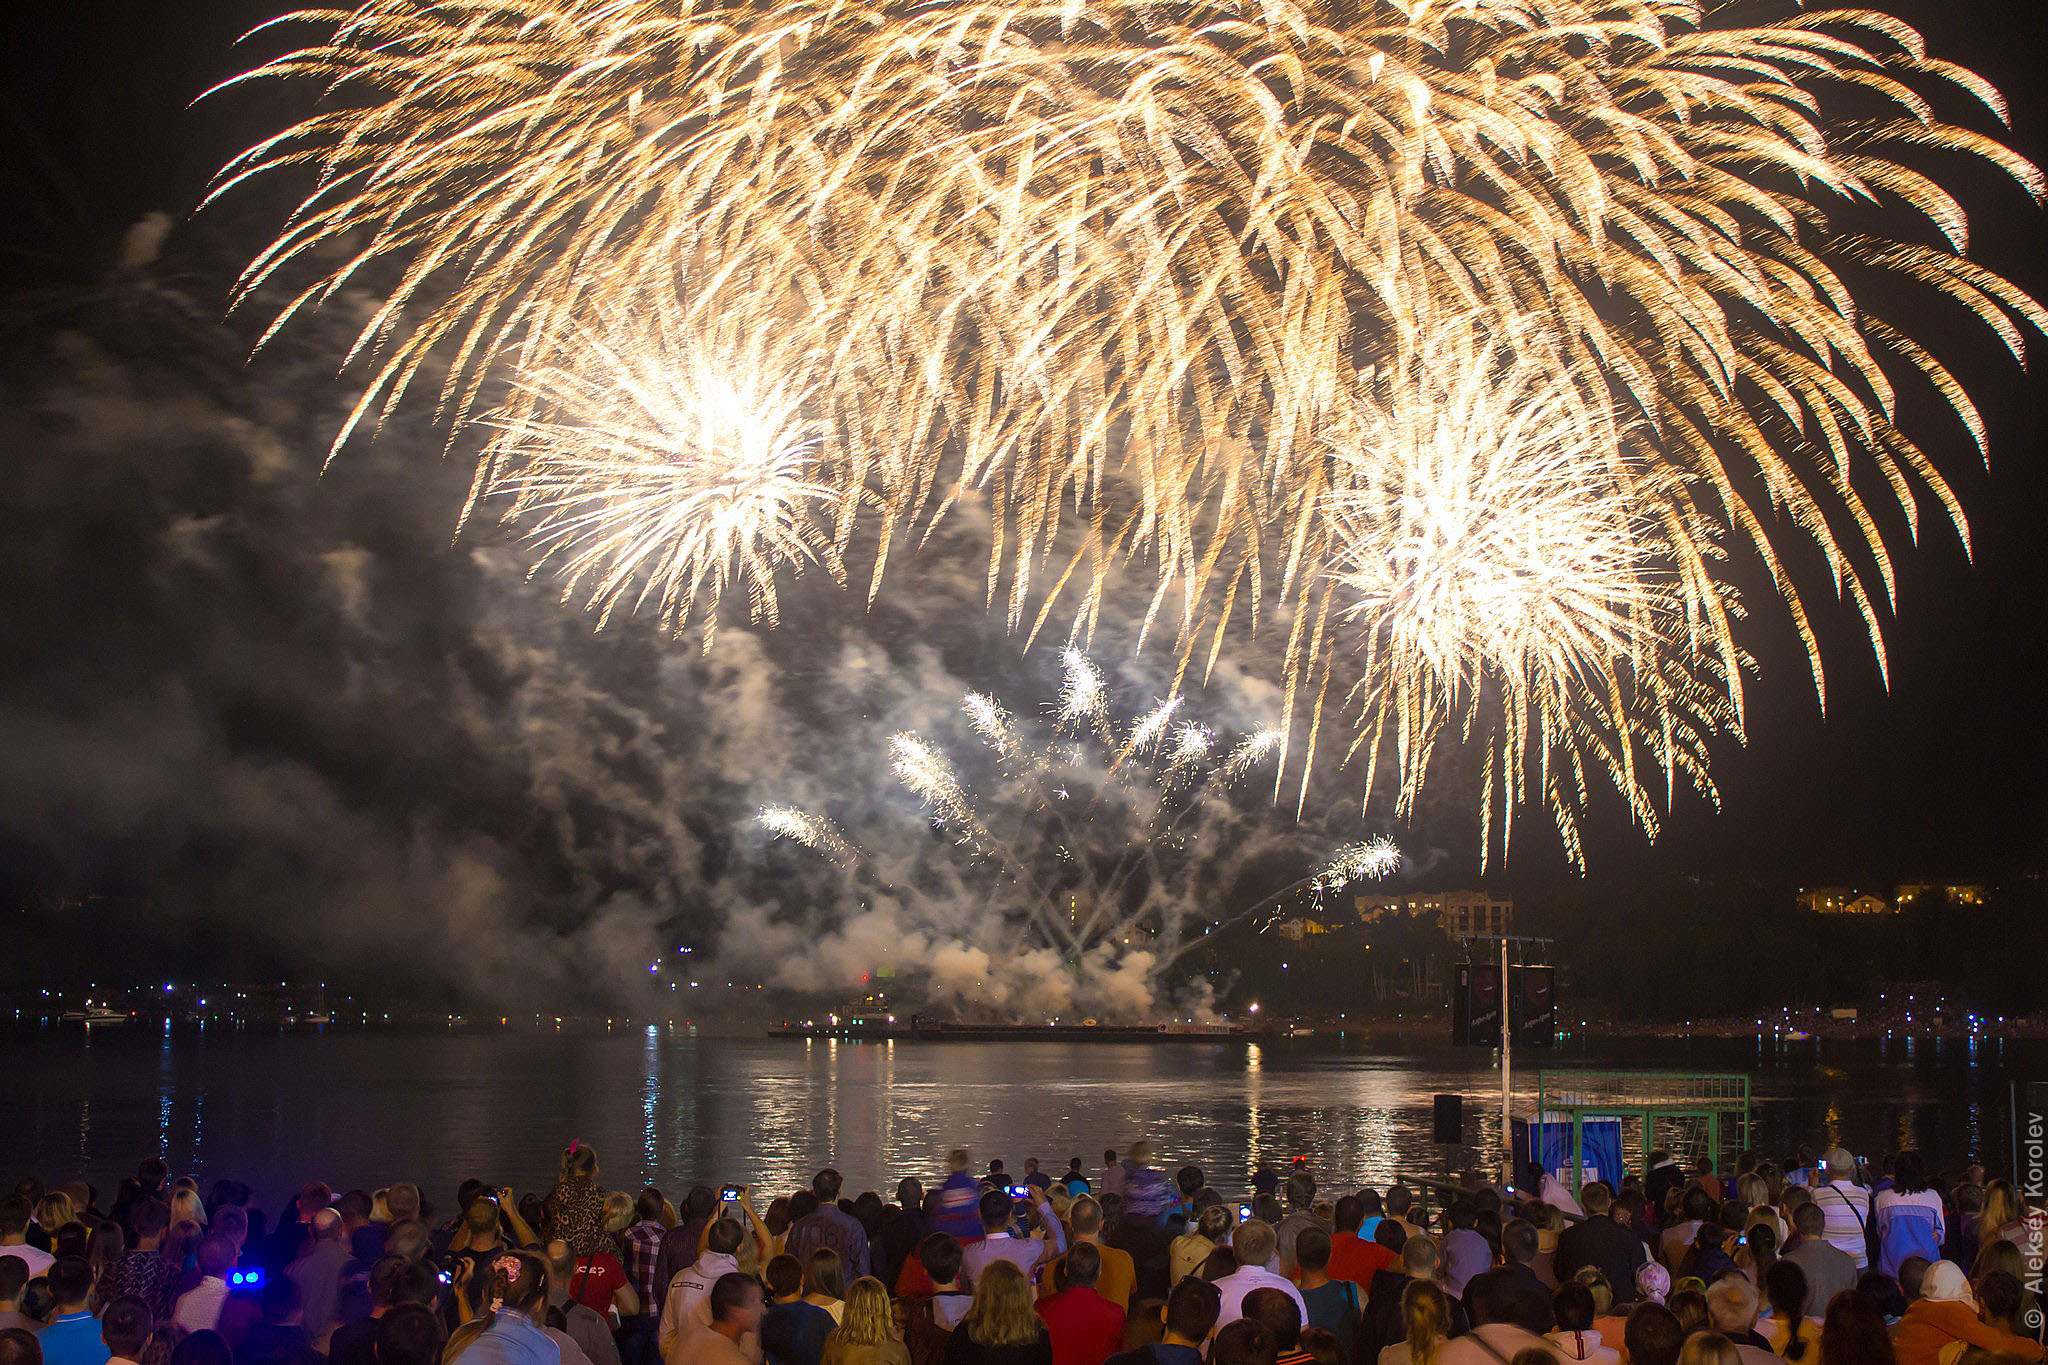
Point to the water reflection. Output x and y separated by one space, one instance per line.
673 1108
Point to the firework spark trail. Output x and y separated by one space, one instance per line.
812 831
1114 267
1373 859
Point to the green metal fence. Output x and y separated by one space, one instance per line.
1687 1113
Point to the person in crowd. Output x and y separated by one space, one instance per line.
590 1329
1465 1251
732 1335
1828 1269
394 1282
1255 1249
410 1334
1334 1306
13 1283
16 1222
1732 1308
1575 1336
1654 1336
1279 1315
950 1298
1119 1277
1946 1314
1209 1230
72 1336
1854 1332
1300 1194
1845 1205
125 1329
958 1213
1002 1326
829 1227
1385 1322
1790 1331
1244 1342
1086 1327
1189 1318
318 1274
1908 1220
640 1254
688 1299
1500 1310
825 1282
198 1308
143 1271
18 1346
278 1337
1675 1242
999 1243
1076 1180
1519 1243
1600 1240
575 1206
1425 1320
793 1332
1355 1253
866 1334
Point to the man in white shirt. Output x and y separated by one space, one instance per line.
997 1243
14 1236
689 1294
198 1308
1256 1246
1846 1204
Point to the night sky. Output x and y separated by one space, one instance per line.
252 703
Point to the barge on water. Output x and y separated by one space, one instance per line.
919 1028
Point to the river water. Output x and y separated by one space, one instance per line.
274 1107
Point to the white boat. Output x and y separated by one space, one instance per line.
95 1014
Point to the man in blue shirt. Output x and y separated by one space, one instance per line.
73 1336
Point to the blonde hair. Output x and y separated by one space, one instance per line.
56 1211
618 1211
187 1208
1003 1313
2001 1207
1708 1348
1424 1314
867 1319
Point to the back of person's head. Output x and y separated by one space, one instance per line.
825 1273
70 1280
1218 1263
724 1238
1188 1179
1518 1241
1214 1223
1596 1198
1708 1348
1909 1172
1398 1200
1425 1320
1003 1312
125 1326
1689 1306
1244 1342
784 1274
909 1194
202 1348
481 1217
825 1184
1275 1308
1785 1288
702 1200
1254 1242
148 1218
1082 1266
1349 1213
619 1212
1999 1298
940 1255
410 1334
1312 1249
1419 1257
1731 1304
1599 1286
650 1207
1391 1235
958 1160
561 1260
13 1278
732 1294
354 1206
994 1209
409 1239
1653 1336
1109 1156
1912 1274
1461 1214
19 1347
216 1256
520 1278
402 1200
1192 1308
1573 1305
1085 1216
231 1220
1882 1290
1854 1331
579 1161
1503 1296
314 1194
802 1205
1698 1205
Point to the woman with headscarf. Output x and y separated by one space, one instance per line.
1945 1314
1653 1282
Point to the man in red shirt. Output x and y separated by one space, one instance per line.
1086 1328
1352 1257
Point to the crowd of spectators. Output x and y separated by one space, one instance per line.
1125 1263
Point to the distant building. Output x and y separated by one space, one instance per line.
1300 928
1463 913
1842 900
1955 893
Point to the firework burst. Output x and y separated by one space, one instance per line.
1114 268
